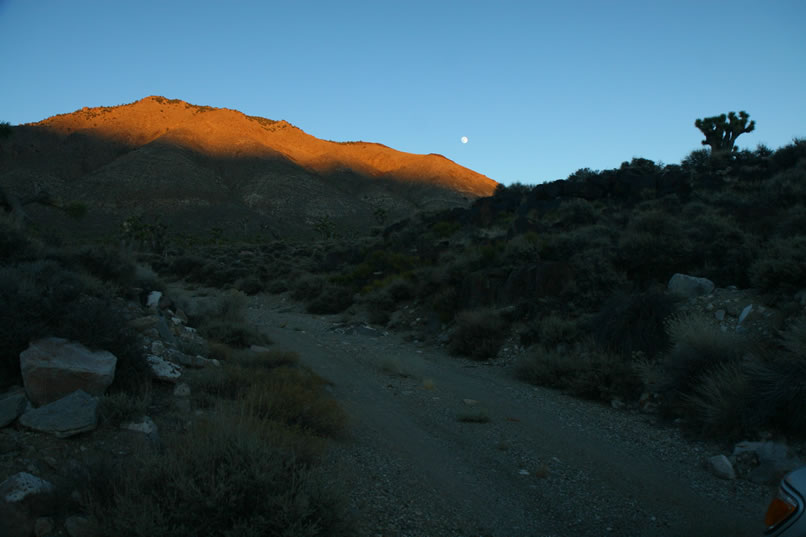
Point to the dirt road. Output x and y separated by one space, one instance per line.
526 462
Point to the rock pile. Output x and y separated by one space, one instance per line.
62 384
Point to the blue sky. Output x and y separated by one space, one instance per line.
539 88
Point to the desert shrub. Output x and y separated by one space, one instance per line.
595 275
583 371
332 299
549 330
308 287
15 245
185 265
698 347
249 285
574 213
724 251
294 397
782 264
524 247
231 332
791 222
477 334
445 303
221 319
227 475
43 298
789 155
720 402
653 247
277 286
445 228
105 263
786 187
630 323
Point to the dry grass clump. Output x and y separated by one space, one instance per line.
698 348
583 371
116 408
221 320
229 474
478 334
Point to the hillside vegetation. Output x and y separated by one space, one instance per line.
576 272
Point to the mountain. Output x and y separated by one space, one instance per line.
196 168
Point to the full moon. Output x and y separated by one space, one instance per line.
464 139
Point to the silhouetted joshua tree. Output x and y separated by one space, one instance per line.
721 131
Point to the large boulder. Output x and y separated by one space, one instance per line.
54 367
12 403
23 498
70 415
690 286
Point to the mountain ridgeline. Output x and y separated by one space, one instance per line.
198 168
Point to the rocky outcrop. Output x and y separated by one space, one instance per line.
54 367
69 416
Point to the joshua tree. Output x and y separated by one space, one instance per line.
721 131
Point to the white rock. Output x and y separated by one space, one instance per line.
146 426
719 315
721 467
163 369
153 300
745 312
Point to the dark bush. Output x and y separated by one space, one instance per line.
582 371
633 323
478 334
782 264
332 299
249 285
308 287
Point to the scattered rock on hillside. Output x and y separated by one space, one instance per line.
145 426
153 300
73 414
721 467
54 367
690 286
23 499
12 404
163 369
